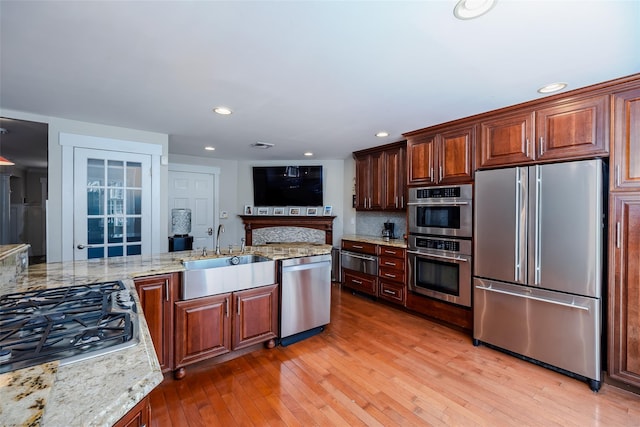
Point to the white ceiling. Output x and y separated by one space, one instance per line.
321 76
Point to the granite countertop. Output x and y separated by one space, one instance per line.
376 240
100 390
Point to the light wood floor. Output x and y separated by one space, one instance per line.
377 366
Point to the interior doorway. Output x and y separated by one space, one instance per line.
23 209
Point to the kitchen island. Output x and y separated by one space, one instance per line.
99 390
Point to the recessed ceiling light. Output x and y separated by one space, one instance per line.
225 111
209 148
553 87
382 134
308 153
469 9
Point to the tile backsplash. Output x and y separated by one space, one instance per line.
370 223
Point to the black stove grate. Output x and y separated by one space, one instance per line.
54 324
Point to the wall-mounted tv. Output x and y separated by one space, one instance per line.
287 186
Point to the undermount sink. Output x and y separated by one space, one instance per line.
213 276
223 262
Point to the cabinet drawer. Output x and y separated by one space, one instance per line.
391 274
365 248
391 251
393 292
360 282
387 262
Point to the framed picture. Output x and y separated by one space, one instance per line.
263 211
248 210
327 210
294 211
278 211
312 211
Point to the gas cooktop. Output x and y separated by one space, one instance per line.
67 324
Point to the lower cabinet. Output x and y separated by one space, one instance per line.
138 416
156 297
211 326
358 281
624 289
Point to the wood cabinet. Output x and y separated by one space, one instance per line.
211 326
203 328
156 294
392 279
625 156
560 131
361 247
624 289
138 416
380 177
255 316
358 281
445 157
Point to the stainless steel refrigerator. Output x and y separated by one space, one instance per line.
538 263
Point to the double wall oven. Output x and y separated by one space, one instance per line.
439 246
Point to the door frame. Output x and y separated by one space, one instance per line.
69 142
210 170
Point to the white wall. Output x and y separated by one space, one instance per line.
58 224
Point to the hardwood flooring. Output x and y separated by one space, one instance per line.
378 366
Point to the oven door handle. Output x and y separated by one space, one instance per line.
437 203
438 256
349 254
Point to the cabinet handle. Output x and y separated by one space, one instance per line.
527 146
396 202
392 264
390 275
356 281
401 202
357 247
431 175
238 306
166 289
540 148
226 307
618 234
618 175
440 174
386 291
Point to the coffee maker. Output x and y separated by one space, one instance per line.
388 232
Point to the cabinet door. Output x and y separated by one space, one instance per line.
624 288
392 292
574 129
359 281
421 159
395 181
363 183
455 156
203 328
506 140
376 176
255 316
626 152
155 293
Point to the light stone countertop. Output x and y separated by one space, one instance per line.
100 390
376 240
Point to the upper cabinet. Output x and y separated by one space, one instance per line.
443 157
559 130
625 157
380 177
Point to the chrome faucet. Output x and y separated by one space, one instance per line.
204 251
242 245
220 230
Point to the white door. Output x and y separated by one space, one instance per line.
112 204
195 191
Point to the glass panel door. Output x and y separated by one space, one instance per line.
112 204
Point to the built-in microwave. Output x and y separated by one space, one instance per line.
441 211
440 268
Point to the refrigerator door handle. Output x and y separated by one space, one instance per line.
518 225
538 226
550 301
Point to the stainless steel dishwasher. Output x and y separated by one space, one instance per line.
305 297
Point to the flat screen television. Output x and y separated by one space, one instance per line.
287 186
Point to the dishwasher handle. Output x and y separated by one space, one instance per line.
301 267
